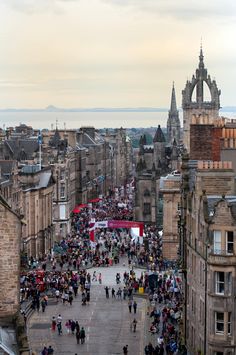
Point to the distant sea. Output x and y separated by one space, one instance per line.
44 119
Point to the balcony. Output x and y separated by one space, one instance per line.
221 257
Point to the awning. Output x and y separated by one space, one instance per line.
83 205
78 208
95 200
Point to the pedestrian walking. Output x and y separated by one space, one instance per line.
87 296
68 326
135 307
125 349
77 334
134 323
82 335
100 278
75 288
124 293
113 293
50 350
43 305
70 299
119 293
57 294
72 327
77 326
130 306
84 298
44 351
53 324
149 349
94 276
107 291
66 297
59 327
45 299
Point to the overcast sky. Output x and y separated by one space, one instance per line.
112 53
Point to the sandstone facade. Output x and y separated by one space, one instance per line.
10 236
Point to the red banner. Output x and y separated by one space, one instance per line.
113 224
126 224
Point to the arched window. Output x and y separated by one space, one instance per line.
194 94
206 93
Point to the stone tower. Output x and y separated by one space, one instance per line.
199 105
173 122
159 144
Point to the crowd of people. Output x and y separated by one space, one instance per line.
165 313
65 271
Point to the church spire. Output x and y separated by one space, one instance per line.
201 57
173 122
173 106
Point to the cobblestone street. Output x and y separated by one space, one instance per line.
106 321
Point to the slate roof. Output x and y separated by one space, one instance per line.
87 140
17 146
45 180
6 166
8 341
159 136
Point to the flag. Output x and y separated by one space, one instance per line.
92 230
39 137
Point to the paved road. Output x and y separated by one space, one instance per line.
106 322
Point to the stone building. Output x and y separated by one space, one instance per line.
94 144
9 185
12 329
64 195
156 160
208 250
146 196
208 223
19 147
37 189
62 160
81 176
170 190
228 143
10 236
200 97
212 139
121 157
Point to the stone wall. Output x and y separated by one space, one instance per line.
10 233
201 142
216 136
171 201
215 181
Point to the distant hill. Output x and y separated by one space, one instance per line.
52 108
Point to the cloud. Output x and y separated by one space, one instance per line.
183 9
35 6
15 84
